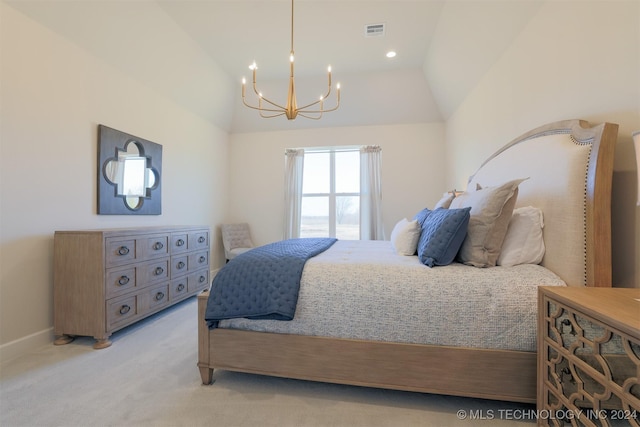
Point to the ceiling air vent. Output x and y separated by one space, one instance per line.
374 30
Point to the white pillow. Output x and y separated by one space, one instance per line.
404 237
446 200
523 243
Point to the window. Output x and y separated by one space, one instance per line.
331 194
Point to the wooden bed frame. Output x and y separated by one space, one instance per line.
483 373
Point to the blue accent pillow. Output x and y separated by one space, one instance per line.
422 215
443 231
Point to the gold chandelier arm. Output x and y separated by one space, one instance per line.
271 110
255 89
310 105
268 116
319 111
305 113
280 107
321 99
261 109
310 117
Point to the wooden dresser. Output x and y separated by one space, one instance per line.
105 280
588 356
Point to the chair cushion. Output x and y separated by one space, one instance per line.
237 251
236 236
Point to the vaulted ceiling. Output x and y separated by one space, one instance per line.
196 52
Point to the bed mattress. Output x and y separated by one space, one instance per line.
363 290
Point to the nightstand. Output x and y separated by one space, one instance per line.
588 356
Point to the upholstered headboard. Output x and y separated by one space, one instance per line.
570 167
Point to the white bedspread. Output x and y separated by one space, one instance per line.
364 290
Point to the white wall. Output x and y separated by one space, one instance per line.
573 60
412 171
53 96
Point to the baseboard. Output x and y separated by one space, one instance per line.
24 345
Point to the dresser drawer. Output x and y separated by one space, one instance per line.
198 240
120 281
178 289
179 265
153 271
198 260
121 311
198 281
120 251
153 298
155 246
179 242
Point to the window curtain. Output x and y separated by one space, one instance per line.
293 166
371 226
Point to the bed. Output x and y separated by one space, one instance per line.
568 168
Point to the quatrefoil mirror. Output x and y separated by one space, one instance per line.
129 174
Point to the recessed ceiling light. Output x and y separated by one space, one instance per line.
391 54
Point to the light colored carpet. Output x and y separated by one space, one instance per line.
148 377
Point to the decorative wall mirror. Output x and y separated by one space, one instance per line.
129 174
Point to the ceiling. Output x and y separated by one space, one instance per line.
184 49
238 32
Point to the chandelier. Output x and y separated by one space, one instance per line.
269 109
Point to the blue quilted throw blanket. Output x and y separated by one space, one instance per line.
262 283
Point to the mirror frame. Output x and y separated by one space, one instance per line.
110 142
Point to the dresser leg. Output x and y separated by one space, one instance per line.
206 374
102 343
63 339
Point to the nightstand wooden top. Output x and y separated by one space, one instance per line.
618 307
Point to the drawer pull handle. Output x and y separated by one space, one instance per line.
201 239
124 309
180 242
123 280
202 279
180 265
202 259
158 271
157 246
159 296
180 287
123 250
